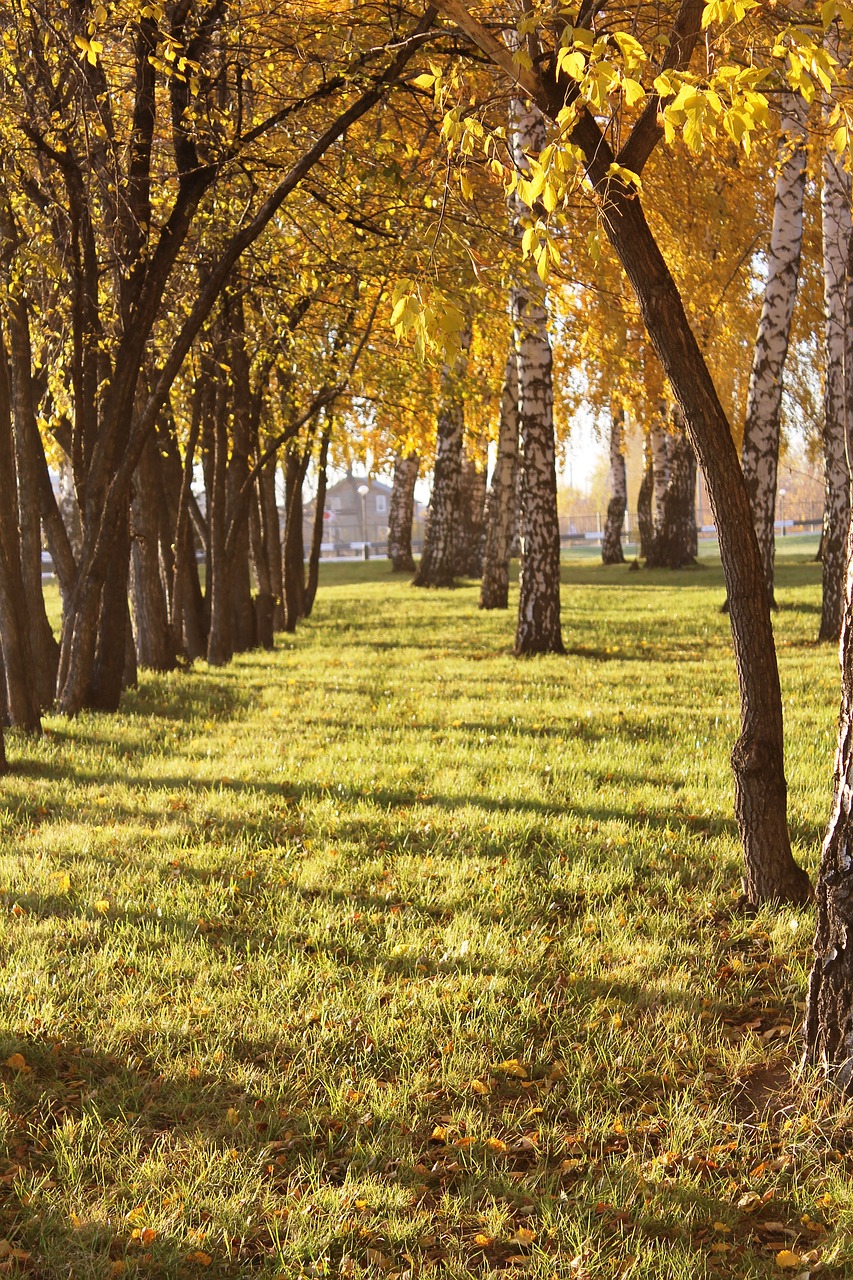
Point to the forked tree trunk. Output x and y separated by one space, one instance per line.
538 626
319 520
501 505
829 1012
760 452
438 555
645 519
402 512
839 357
469 540
611 543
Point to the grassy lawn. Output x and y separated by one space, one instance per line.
388 955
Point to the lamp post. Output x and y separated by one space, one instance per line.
782 493
363 491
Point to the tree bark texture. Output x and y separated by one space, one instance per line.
829 1011
674 544
501 504
660 439
611 544
155 646
538 625
839 358
402 512
760 452
438 556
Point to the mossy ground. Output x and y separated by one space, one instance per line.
388 954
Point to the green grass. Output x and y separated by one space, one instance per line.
388 954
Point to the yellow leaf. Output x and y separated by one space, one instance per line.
232 1115
524 1236
482 1240
102 905
633 91
17 1062
496 1145
787 1260
478 1086
424 81
512 1067
200 1257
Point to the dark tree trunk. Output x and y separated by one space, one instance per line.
293 553
470 537
220 641
113 668
243 612
43 644
501 502
829 1012
758 755
645 520
271 534
319 519
402 513
155 647
611 544
439 554
22 700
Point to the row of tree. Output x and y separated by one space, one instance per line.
212 221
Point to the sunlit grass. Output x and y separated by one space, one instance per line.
386 953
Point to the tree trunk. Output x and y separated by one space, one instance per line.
758 754
113 668
829 1012
242 608
319 519
220 636
271 534
611 545
501 506
660 456
760 453
43 644
293 552
155 646
438 555
538 626
22 699
839 356
402 512
469 538
645 519
674 545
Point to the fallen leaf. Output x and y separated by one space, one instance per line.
496 1145
749 1201
524 1236
483 1240
232 1115
18 1062
478 1086
200 1257
512 1067
787 1260
101 905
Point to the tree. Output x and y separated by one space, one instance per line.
561 84
402 512
501 507
611 543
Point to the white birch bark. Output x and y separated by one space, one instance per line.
402 511
501 500
611 543
660 460
538 628
760 454
437 565
835 205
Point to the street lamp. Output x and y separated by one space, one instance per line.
363 491
782 493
